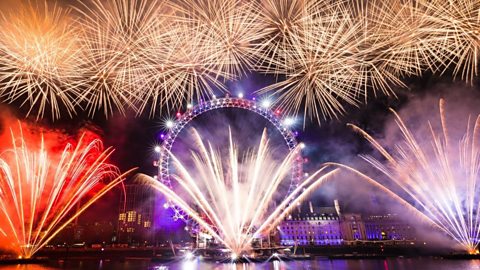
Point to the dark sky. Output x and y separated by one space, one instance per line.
134 137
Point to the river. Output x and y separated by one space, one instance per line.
319 263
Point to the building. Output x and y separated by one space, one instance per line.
352 228
388 227
99 232
320 226
136 214
311 226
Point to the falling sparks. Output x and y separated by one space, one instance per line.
458 34
40 189
232 199
320 66
228 30
115 34
438 177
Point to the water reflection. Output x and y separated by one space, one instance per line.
319 264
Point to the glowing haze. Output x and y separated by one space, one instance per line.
232 199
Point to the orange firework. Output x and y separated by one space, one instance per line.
457 34
228 30
397 41
114 37
320 65
154 55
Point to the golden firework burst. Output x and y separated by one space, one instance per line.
320 65
39 58
114 36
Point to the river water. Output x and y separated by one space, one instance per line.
320 264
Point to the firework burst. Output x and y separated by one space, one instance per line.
398 41
154 55
439 177
115 35
179 71
320 66
228 30
279 21
458 34
39 58
235 199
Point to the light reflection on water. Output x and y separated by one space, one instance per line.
319 264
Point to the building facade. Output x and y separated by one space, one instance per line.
320 226
352 227
136 215
311 226
388 227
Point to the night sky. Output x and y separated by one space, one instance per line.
135 137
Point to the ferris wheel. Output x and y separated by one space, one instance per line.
281 123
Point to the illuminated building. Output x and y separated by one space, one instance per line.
387 227
312 226
320 226
352 227
135 221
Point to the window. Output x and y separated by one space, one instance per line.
131 216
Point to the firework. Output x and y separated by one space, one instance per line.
439 177
398 41
38 58
179 70
235 199
115 35
228 30
279 21
41 189
458 34
203 45
320 66
135 55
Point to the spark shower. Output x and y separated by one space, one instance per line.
232 198
44 187
436 174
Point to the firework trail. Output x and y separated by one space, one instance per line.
438 177
397 41
278 20
457 32
233 200
41 187
228 30
180 71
